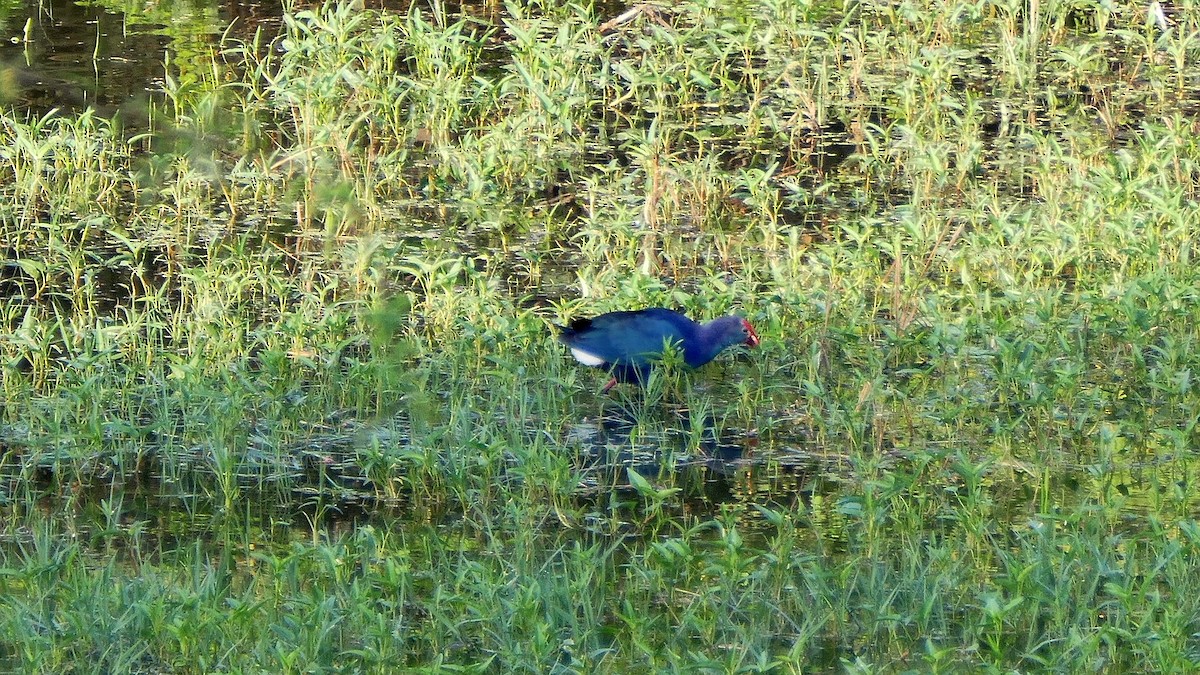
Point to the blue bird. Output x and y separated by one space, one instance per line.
628 343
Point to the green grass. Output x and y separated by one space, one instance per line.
280 391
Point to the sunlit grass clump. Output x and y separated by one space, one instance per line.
280 391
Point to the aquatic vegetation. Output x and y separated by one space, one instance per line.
281 391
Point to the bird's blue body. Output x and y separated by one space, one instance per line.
628 343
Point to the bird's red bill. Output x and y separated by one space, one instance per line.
752 340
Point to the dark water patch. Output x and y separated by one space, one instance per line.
79 55
120 272
178 496
711 464
245 19
348 471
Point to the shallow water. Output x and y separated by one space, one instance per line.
74 55
85 56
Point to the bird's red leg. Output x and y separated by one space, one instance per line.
611 383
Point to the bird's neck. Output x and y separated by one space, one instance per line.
706 343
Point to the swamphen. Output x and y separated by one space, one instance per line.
627 343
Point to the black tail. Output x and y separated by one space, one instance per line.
574 328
